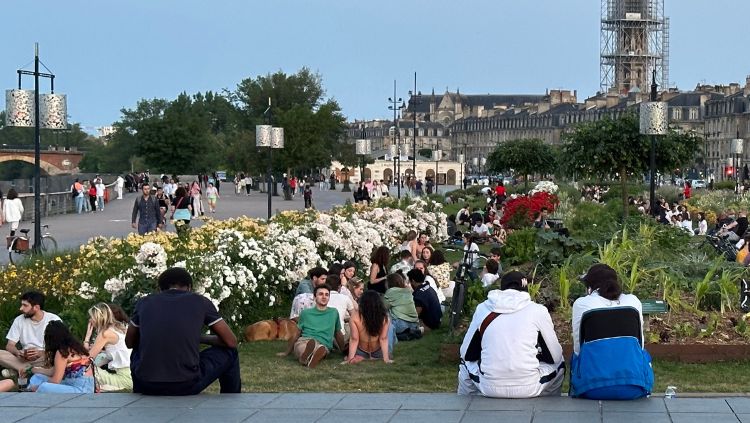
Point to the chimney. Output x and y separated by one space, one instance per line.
746 90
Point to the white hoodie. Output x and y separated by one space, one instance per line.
509 343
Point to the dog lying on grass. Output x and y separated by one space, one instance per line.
267 330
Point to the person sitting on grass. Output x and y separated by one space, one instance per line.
165 333
308 285
491 273
370 327
510 349
341 303
425 300
27 330
405 264
400 303
68 366
318 327
305 299
357 288
422 267
110 339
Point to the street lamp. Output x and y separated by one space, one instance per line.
272 138
737 145
653 122
363 148
437 155
27 108
415 99
396 132
462 161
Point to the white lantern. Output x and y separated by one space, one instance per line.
19 108
277 137
363 147
262 135
475 161
461 158
393 150
53 111
653 118
484 161
437 155
737 145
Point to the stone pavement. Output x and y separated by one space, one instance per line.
372 408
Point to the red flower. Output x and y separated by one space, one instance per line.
520 211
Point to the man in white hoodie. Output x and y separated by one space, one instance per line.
510 349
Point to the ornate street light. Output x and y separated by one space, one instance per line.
267 136
27 108
437 155
737 147
653 122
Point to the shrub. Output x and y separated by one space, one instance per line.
520 245
519 211
672 194
724 185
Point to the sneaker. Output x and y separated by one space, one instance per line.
8 373
316 357
309 349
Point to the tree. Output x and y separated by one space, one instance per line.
607 148
522 156
313 126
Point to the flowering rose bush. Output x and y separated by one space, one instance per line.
519 211
244 266
545 186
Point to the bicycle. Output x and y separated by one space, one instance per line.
722 246
19 249
465 266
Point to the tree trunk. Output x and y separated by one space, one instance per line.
624 182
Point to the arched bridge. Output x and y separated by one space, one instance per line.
53 162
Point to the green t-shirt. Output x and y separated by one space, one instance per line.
401 303
319 325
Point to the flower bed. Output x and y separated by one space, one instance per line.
245 266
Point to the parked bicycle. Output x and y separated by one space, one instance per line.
19 248
722 246
465 274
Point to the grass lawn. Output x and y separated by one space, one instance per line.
417 369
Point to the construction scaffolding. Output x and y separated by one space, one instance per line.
634 40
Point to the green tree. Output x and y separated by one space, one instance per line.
523 156
313 125
615 148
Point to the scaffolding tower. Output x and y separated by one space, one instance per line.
634 40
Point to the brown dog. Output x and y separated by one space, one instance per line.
267 330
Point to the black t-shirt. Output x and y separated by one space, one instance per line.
741 225
427 298
171 324
380 286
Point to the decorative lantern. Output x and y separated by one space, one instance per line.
475 161
277 137
653 118
437 154
405 150
461 158
262 135
737 145
19 108
484 161
393 150
363 147
53 111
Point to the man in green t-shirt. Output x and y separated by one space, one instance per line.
318 326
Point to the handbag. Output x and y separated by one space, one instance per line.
180 214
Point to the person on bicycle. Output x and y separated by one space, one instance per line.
510 349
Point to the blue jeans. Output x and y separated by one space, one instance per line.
398 326
144 227
76 385
80 204
215 363
100 202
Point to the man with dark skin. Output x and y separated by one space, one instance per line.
165 332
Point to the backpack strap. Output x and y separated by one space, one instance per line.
474 351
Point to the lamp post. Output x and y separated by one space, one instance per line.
394 152
27 108
396 133
363 148
737 145
415 99
437 155
272 138
653 122
462 162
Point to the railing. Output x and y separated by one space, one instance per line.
55 203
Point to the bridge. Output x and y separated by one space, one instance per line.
52 161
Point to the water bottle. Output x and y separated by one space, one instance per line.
671 392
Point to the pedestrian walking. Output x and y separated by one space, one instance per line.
195 194
146 212
92 196
212 193
100 188
307 195
13 210
120 185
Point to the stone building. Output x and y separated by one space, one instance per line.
726 118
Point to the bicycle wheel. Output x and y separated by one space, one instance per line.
15 255
457 304
49 245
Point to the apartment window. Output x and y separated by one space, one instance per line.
694 113
676 114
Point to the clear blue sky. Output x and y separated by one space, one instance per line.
109 54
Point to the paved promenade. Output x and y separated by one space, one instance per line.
370 408
73 230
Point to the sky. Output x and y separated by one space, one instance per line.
107 55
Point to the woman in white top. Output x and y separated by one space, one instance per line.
702 224
411 244
110 339
13 210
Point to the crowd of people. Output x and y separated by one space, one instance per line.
155 352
